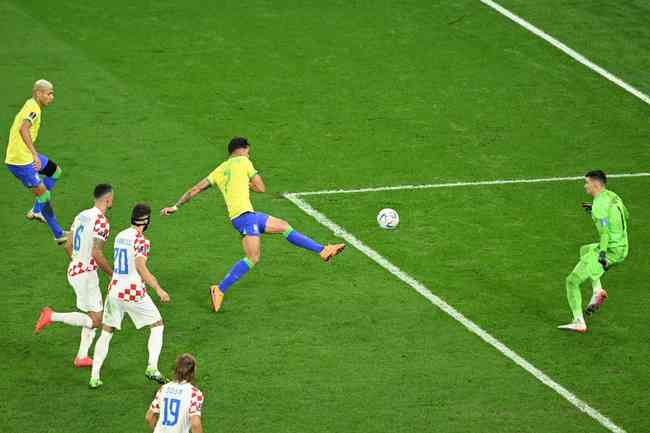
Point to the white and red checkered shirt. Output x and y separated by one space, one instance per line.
127 284
89 225
176 403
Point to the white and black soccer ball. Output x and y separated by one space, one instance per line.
388 218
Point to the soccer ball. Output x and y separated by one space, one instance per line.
388 219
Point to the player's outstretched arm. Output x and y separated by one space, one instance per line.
195 423
98 255
257 184
189 195
149 279
151 418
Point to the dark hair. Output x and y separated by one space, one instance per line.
140 214
237 143
185 368
102 189
598 175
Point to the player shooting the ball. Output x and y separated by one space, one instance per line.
235 178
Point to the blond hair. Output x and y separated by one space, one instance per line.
42 85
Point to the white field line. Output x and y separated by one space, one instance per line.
451 311
567 50
457 184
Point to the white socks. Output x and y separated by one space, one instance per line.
74 319
87 337
101 350
154 345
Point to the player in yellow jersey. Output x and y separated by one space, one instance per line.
235 178
24 162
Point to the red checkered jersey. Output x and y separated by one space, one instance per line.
89 225
127 284
175 403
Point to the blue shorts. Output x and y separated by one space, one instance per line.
250 223
27 174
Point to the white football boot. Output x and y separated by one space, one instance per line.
33 216
578 325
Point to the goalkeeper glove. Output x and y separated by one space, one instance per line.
602 259
586 206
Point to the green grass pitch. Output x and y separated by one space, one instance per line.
339 94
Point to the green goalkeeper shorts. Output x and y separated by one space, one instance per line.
589 267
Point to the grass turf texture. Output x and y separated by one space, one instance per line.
334 96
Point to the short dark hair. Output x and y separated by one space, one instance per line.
185 368
237 143
598 175
140 214
102 189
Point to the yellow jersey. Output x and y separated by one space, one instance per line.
17 151
233 179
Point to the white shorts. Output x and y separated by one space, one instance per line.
142 313
86 287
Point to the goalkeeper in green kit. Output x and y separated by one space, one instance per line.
611 218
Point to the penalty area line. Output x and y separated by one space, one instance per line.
457 184
451 311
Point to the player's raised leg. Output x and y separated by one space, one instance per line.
597 298
86 321
326 252
43 198
50 173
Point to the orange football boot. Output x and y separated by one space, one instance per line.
216 295
83 362
44 319
330 251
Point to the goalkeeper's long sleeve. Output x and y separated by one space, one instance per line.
603 231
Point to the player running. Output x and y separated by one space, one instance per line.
127 293
24 162
177 405
85 247
235 178
611 218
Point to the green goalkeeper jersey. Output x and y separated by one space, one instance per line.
611 218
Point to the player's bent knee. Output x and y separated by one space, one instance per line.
254 259
39 190
57 174
96 318
50 169
155 325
